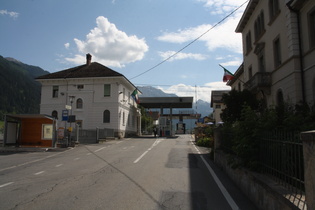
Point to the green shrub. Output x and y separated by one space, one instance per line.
205 142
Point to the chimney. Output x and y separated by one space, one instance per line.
88 59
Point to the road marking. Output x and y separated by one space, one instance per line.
157 141
38 173
58 165
139 158
4 185
99 149
34 161
76 158
89 153
225 193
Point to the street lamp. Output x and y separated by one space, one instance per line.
71 98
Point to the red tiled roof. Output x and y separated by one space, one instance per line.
93 70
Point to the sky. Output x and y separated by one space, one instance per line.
173 45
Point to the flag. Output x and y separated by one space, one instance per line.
135 97
227 75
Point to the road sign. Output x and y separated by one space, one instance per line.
65 115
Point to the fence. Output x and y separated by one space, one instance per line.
92 136
281 156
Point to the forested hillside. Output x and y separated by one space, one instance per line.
19 92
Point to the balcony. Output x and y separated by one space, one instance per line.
260 81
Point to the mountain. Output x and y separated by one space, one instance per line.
202 107
19 92
149 91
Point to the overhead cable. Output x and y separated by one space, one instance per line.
190 43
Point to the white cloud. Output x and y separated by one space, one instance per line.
181 56
203 92
11 14
67 45
221 6
109 46
222 36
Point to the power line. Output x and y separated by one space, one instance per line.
190 43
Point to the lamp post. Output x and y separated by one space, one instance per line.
71 98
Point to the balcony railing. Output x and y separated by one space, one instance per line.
261 80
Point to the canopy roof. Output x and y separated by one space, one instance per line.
166 102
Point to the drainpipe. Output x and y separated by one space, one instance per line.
297 12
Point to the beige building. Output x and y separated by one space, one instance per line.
217 104
279 51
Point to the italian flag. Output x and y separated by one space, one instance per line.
227 75
134 95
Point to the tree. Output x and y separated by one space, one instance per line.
235 101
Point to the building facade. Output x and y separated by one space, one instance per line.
91 96
217 105
279 51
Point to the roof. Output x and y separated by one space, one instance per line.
246 15
166 102
29 116
216 96
87 70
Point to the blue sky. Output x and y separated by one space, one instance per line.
129 36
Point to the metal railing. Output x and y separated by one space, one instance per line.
281 157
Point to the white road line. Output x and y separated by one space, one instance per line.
76 159
34 161
139 158
4 185
89 153
225 193
38 173
99 149
157 141
58 165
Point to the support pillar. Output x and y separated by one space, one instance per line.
308 139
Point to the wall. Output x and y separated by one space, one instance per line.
31 132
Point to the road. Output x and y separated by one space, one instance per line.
136 173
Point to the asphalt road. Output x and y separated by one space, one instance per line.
137 173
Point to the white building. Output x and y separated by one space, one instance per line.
279 50
99 97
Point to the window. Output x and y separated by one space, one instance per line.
55 91
248 42
124 93
106 116
250 72
280 99
106 90
259 26
79 103
260 52
311 20
80 87
218 106
123 120
54 114
261 62
277 52
273 9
